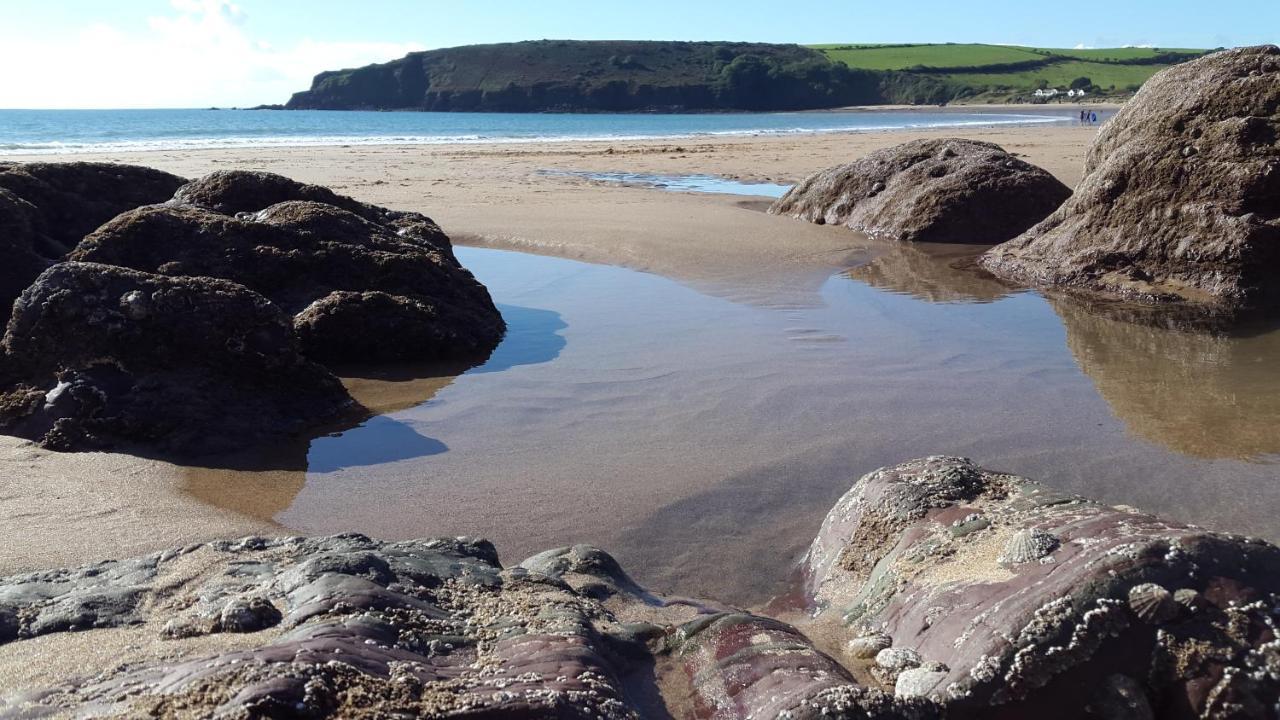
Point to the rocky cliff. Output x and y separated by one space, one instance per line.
603 76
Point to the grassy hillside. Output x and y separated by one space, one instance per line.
630 76
1002 72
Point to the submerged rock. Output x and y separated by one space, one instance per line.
1180 199
102 356
46 208
363 283
943 191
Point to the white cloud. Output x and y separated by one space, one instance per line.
1082 46
203 53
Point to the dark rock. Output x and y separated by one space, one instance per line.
46 208
231 192
1043 638
73 198
360 289
103 356
1180 199
944 191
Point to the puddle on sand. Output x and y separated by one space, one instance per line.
679 183
702 441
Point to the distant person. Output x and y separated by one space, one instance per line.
1084 116
1093 117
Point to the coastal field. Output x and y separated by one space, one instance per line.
1010 71
659 458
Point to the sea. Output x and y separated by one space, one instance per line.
33 132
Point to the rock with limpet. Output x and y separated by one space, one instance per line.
1152 603
1191 600
1028 545
918 681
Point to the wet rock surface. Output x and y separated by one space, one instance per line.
942 191
46 208
364 283
1181 195
1124 615
101 356
1032 602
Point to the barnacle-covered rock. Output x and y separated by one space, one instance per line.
1027 639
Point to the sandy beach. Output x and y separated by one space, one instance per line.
69 509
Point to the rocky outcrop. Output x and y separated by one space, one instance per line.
100 356
232 192
943 191
46 208
1181 195
1019 601
363 283
935 589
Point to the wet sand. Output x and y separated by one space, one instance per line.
60 509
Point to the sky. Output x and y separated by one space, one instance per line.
226 53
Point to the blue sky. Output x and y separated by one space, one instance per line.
191 53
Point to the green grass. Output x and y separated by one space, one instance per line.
958 65
1114 54
901 57
1060 75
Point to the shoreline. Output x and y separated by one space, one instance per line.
1034 118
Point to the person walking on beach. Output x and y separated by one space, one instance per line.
1083 117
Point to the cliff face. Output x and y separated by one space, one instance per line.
612 76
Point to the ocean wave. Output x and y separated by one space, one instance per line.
62 147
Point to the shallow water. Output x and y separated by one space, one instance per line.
715 184
702 441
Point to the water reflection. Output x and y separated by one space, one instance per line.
936 273
533 337
264 482
1209 395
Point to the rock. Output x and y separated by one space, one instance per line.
71 199
104 357
867 647
45 208
942 191
1025 637
359 289
232 192
245 615
348 626
1180 200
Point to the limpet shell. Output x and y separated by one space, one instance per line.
1152 603
1028 545
1189 599
867 646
